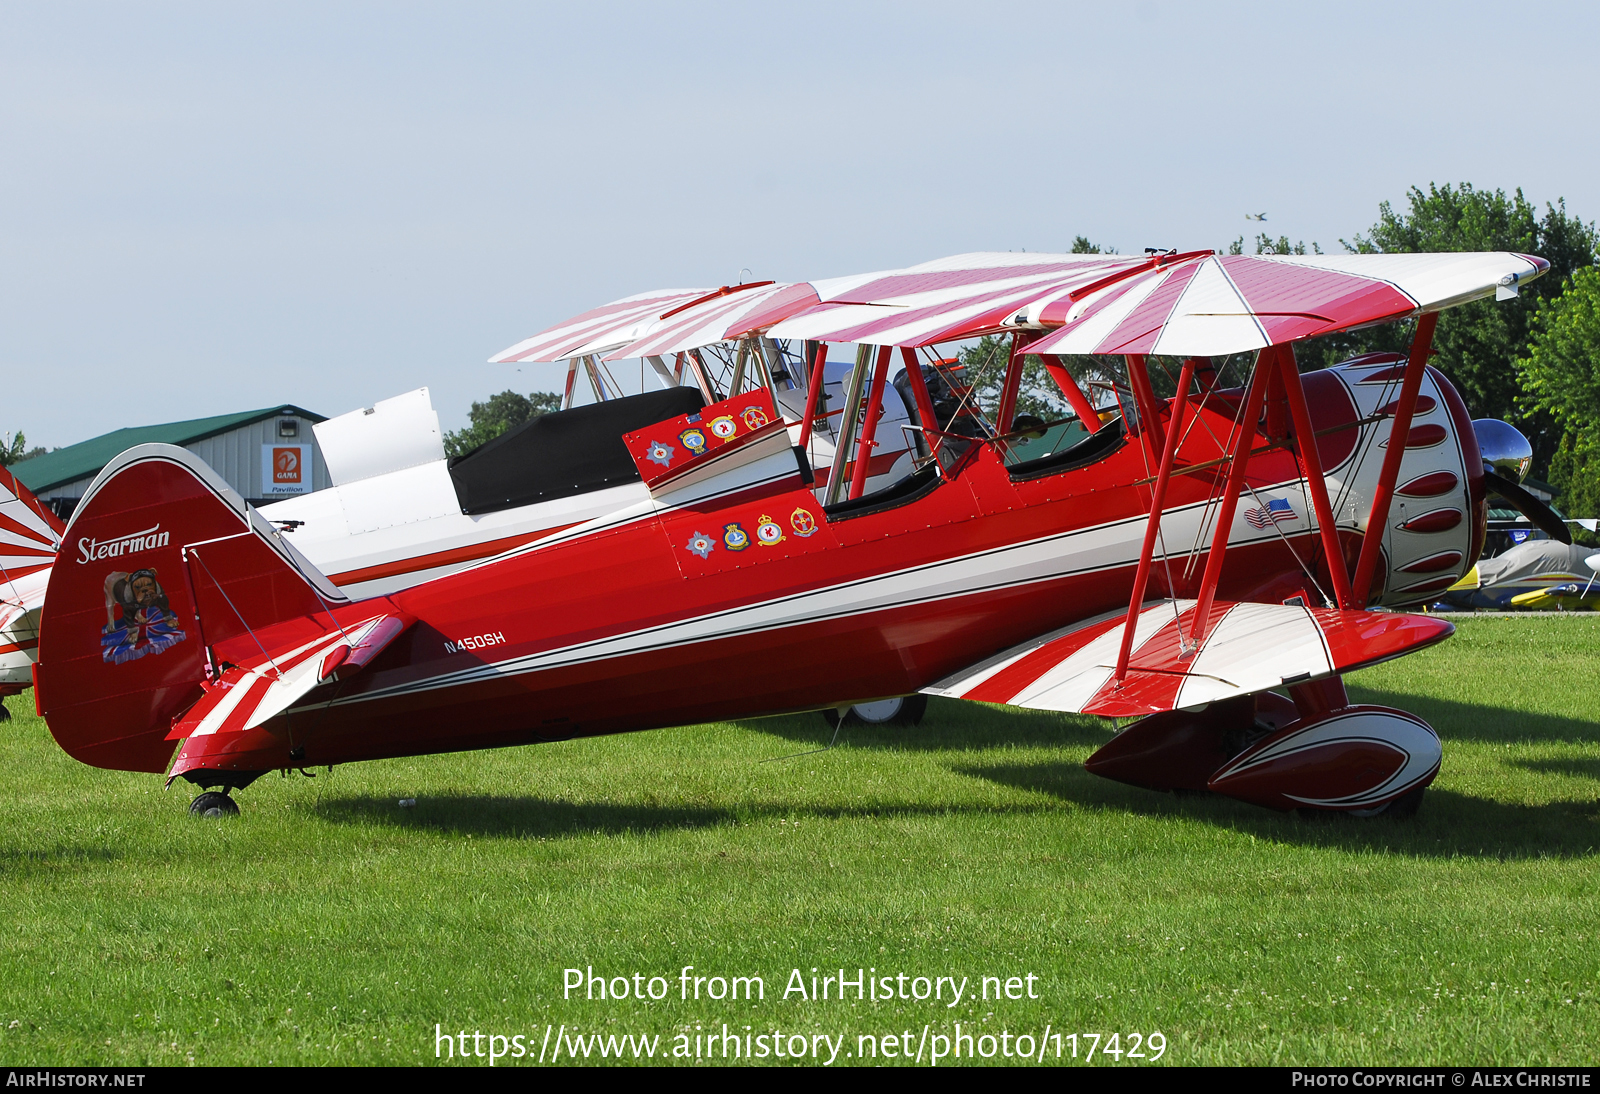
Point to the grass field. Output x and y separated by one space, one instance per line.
329 925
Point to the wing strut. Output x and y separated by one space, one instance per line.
817 358
1139 381
1239 462
1378 519
1305 443
845 436
1169 450
1012 384
572 376
1069 387
924 401
869 427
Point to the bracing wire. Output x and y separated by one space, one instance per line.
236 613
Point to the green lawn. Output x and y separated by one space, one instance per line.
328 925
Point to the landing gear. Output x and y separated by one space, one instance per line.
906 710
1320 755
5 715
1402 808
213 805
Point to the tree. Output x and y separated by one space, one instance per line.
1477 344
1266 245
1037 394
1561 378
500 414
16 449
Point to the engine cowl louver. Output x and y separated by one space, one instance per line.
1436 520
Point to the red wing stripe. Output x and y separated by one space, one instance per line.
1137 333
1067 672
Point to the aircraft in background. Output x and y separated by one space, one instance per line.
30 535
1203 562
1535 574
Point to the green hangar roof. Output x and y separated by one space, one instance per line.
86 458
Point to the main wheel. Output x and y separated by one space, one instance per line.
5 715
1406 805
905 710
213 805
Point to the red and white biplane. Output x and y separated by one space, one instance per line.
1204 561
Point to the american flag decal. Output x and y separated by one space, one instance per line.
1276 512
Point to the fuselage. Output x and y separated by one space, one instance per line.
743 596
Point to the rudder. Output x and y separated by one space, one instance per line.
162 560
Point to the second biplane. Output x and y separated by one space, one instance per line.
1203 561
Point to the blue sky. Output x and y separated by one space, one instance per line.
207 208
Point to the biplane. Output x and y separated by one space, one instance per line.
1206 560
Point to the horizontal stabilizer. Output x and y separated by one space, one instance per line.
270 682
1246 648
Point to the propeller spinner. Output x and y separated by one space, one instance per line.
1506 458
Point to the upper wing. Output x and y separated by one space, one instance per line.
942 300
599 329
1196 303
1220 304
700 323
1247 648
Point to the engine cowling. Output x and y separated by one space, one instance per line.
1438 517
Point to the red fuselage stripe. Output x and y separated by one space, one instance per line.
443 558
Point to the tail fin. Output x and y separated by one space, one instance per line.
162 561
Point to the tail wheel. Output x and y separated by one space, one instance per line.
905 710
213 805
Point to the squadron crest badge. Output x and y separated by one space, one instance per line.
701 544
734 537
723 428
767 531
802 522
754 417
694 441
661 453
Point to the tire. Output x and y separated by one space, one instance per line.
912 710
1402 808
905 710
5 715
213 805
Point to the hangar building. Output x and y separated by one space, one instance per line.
266 455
